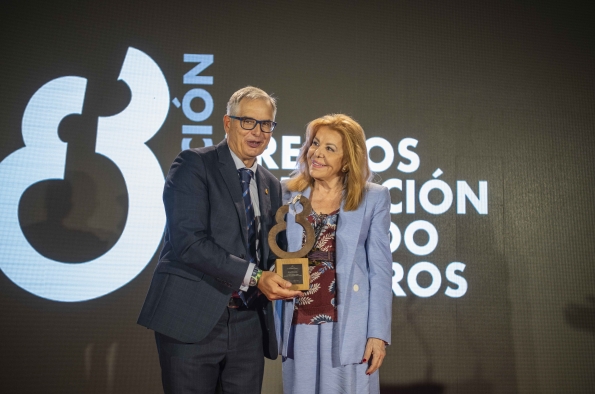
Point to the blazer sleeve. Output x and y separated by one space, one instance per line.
380 269
187 205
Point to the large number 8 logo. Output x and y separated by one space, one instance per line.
121 138
300 218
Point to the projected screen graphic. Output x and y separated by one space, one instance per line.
120 138
479 120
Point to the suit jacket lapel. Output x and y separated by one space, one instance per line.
349 227
264 203
228 171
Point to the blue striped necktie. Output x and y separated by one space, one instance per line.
246 176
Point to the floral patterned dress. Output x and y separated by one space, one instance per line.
317 305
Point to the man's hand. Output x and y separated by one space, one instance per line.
275 287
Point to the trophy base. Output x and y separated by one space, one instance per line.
295 271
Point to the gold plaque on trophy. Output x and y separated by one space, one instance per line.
293 266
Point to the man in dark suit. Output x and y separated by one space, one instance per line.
208 302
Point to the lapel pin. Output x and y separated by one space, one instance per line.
266 191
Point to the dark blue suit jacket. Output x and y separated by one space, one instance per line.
202 261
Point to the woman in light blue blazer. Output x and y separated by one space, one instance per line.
333 338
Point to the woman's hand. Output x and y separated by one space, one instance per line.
374 354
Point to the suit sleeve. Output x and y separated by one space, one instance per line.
187 206
380 269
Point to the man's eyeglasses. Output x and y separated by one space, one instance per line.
266 126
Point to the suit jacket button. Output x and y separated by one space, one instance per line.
241 256
355 288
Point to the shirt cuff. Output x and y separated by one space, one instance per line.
246 283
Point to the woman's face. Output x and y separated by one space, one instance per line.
325 155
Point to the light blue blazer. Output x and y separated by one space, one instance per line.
364 274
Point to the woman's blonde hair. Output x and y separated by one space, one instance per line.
355 159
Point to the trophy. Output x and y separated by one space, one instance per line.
293 266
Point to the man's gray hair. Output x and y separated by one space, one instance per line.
250 93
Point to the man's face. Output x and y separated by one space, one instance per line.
247 144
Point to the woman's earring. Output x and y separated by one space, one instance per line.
345 168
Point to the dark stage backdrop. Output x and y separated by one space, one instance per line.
479 117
